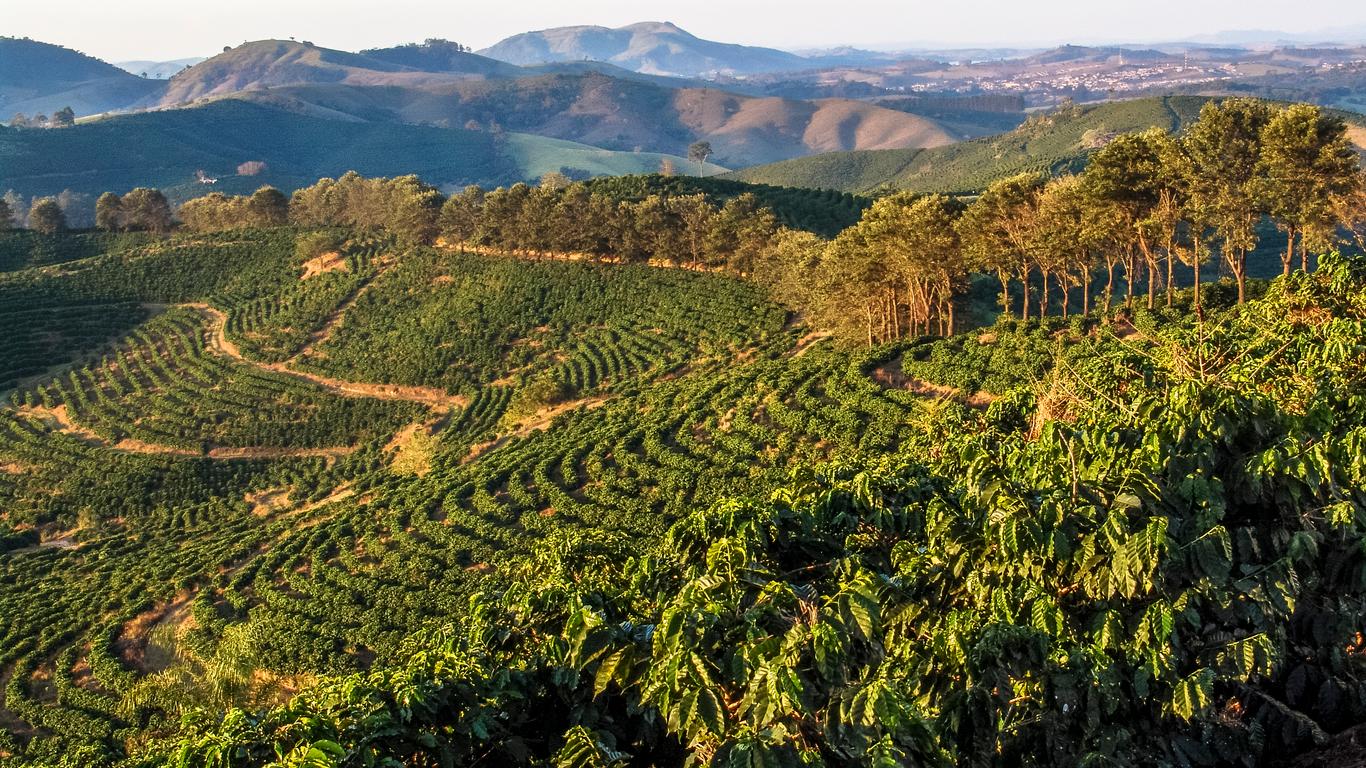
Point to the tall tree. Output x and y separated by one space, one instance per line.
268 207
63 118
699 152
146 209
997 233
46 216
6 216
1306 161
1066 240
1130 172
109 212
1224 147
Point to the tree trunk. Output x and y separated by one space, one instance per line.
1086 294
1043 297
1197 276
1288 257
1241 268
1024 302
1109 284
1171 289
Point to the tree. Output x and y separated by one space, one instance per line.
699 152
146 209
268 207
109 212
46 217
1224 147
1306 161
997 233
1066 239
1131 173
1350 209
460 216
63 118
6 216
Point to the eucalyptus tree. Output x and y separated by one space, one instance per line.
1224 147
1306 162
998 230
46 216
1132 173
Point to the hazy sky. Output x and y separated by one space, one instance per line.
165 29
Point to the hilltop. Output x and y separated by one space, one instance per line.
43 78
652 47
268 63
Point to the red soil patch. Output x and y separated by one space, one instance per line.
328 262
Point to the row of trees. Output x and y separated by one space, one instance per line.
1147 204
557 217
62 118
266 207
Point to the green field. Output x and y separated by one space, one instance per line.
1052 143
165 149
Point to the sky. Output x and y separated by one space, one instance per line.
118 30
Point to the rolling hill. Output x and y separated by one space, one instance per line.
625 115
166 148
1053 142
657 48
43 78
268 63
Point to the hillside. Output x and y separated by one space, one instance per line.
427 488
651 48
1052 142
166 148
268 63
39 78
626 115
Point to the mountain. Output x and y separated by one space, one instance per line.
43 78
268 63
1053 142
625 115
166 148
652 47
442 56
158 70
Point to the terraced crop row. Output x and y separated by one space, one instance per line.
681 388
162 387
35 340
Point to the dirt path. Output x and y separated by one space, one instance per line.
483 250
334 320
430 396
59 420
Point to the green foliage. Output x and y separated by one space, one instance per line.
1168 578
1051 143
822 211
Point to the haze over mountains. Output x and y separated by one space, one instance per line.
658 48
594 100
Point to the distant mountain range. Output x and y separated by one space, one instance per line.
594 100
440 84
157 70
658 48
